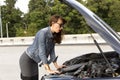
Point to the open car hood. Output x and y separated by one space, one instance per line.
97 24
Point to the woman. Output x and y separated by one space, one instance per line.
41 49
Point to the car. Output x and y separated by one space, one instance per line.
92 66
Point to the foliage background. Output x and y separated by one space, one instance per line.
21 24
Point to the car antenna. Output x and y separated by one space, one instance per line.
99 48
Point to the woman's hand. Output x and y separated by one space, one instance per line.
62 66
53 72
49 70
57 66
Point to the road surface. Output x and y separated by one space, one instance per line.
9 58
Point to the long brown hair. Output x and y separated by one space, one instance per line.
57 36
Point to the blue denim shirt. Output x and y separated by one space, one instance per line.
42 47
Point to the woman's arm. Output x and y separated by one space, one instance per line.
42 47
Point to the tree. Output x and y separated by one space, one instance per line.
11 16
41 10
108 10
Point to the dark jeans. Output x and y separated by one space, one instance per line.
29 78
28 67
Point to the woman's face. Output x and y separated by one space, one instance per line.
57 26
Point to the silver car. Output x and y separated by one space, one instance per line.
84 68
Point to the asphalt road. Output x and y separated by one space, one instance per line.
9 58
